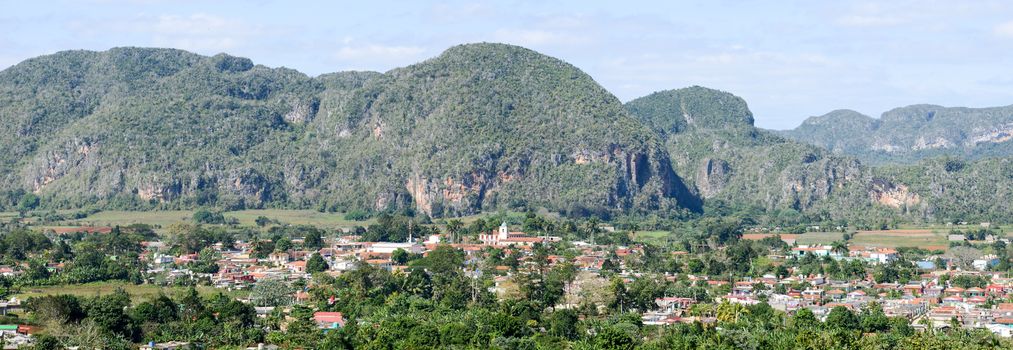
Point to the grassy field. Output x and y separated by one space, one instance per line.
138 293
810 238
922 238
117 217
297 217
654 237
246 217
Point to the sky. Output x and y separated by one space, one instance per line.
788 59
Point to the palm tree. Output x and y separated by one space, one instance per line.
591 228
454 228
839 247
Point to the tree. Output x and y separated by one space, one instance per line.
28 202
316 263
839 247
262 221
444 260
204 216
563 323
454 227
313 240
55 308
613 338
804 318
873 319
283 244
620 299
964 255
722 229
160 310
207 261
399 256
271 292
107 312
842 318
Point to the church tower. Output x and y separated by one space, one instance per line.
504 232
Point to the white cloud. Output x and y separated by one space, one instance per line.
1004 29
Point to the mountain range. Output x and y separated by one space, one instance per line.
912 133
480 127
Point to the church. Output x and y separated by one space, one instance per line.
503 237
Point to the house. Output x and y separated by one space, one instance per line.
278 258
883 255
818 250
328 320
297 266
984 262
913 289
390 247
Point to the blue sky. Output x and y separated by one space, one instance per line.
788 59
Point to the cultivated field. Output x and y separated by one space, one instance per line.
654 237
810 238
122 218
296 217
922 238
246 217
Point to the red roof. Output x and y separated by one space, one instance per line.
329 317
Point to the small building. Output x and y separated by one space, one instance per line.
984 262
390 247
328 320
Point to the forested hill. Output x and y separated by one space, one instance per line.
735 166
482 126
729 162
908 134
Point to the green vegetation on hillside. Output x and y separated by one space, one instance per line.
909 134
482 126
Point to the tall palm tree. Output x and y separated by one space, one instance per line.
839 247
453 229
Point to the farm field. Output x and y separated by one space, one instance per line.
246 217
122 218
810 238
296 217
138 293
922 238
655 237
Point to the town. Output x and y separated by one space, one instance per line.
548 281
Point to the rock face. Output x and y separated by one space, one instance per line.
714 174
898 196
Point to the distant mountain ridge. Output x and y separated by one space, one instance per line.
732 164
911 133
481 127
714 145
